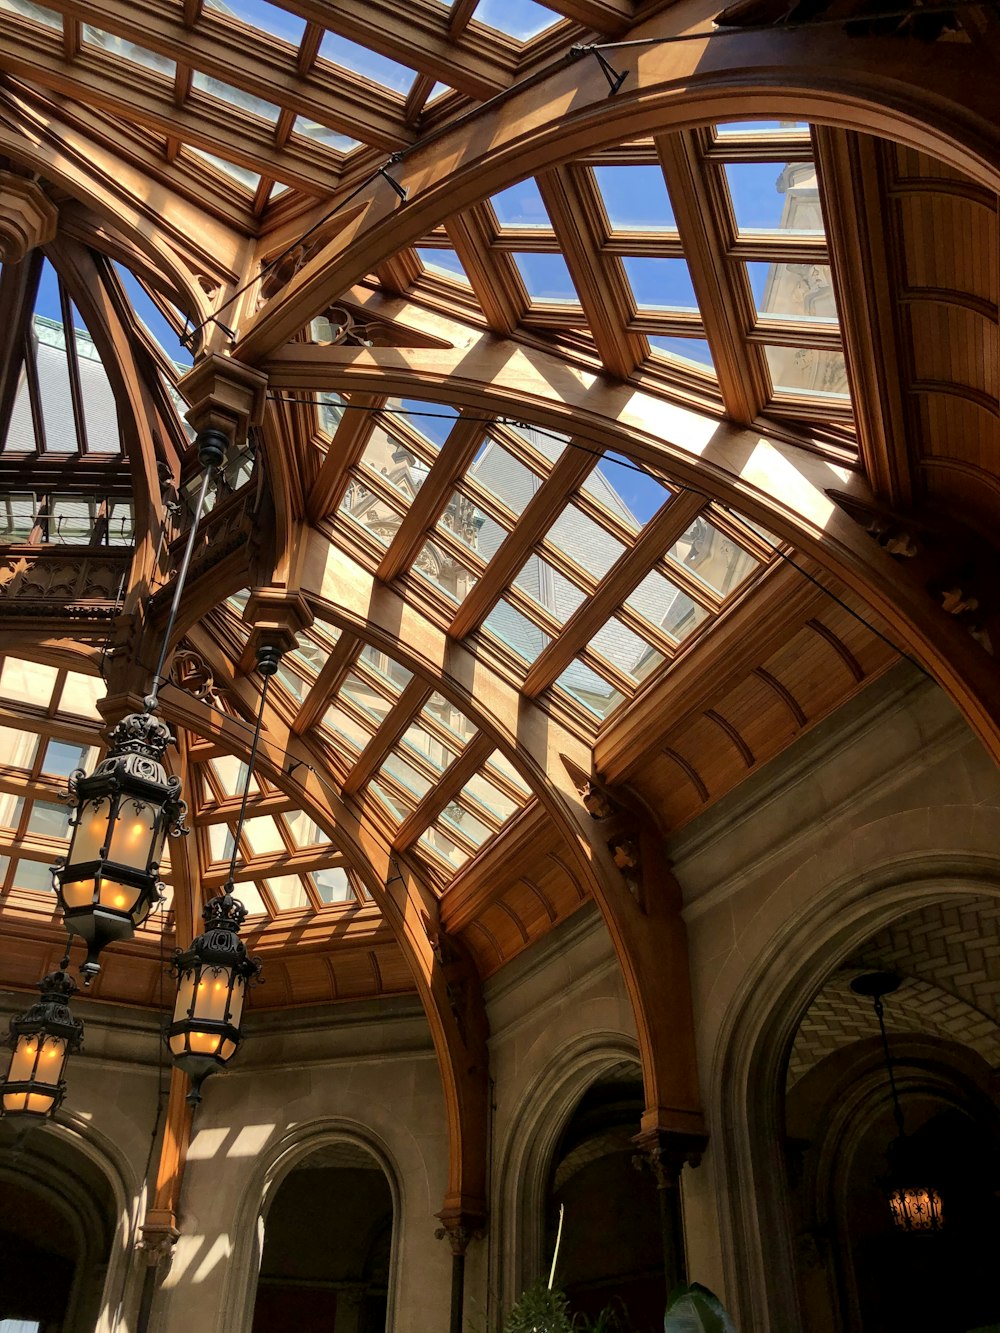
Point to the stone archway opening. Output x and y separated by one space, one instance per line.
328 1232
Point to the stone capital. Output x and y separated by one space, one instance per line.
159 1233
28 217
459 1227
666 1152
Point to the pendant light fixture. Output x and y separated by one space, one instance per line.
213 974
914 1203
109 880
41 1041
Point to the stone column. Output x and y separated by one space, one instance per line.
666 1153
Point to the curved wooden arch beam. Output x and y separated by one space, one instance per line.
787 488
443 974
935 97
647 932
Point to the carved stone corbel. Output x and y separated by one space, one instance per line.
28 217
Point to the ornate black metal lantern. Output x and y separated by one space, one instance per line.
41 1040
915 1205
214 973
124 811
212 980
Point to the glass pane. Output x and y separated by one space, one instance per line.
451 718
432 421
11 809
242 176
506 477
462 821
407 775
585 541
521 19
437 841
654 599
549 589
378 518
626 490
443 261
793 291
388 670
429 747
485 793
235 97
715 558
695 351
333 885
232 773
465 521
635 198
625 650
220 842
521 206
440 568
347 728
305 832
518 633
17 516
247 894
545 277
775 196
589 689
262 14
27 682
125 50
49 819
508 771
80 695
388 74
317 133
396 805
394 463
33 875
29 10
365 696
17 748
660 284
818 372
288 892
263 835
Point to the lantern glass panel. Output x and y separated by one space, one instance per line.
90 832
37 1060
134 835
212 999
185 997
228 1050
203 1043
78 893
36 1103
236 1004
119 897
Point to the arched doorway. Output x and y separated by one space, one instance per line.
611 1253
857 1271
325 1263
57 1222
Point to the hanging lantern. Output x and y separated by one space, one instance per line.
41 1040
916 1207
110 879
212 980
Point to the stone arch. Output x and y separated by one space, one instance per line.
270 1171
545 1106
893 866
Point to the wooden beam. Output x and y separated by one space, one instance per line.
855 207
466 766
346 447
411 699
491 274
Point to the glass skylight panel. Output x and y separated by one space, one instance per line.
625 650
521 206
437 842
263 835
396 805
17 748
437 91
11 809
125 50
432 421
72 519
243 176
521 635
654 599
589 689
35 875
626 491
288 892
230 774
63 758
272 19
506 769
437 709
27 682
220 842
347 730
584 541
80 695
235 97
371 511
121 523
549 589
802 291
520 19
716 559
768 128
462 519
695 351
506 478
775 196
440 260
395 464
333 885
246 891
364 696
303 830
635 198
481 791
392 675
545 277
317 133
457 819
406 774
816 372
428 746
445 572
17 516
38 13
660 284
388 74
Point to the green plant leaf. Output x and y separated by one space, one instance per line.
695 1309
539 1310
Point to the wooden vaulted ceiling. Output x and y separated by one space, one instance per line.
677 645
